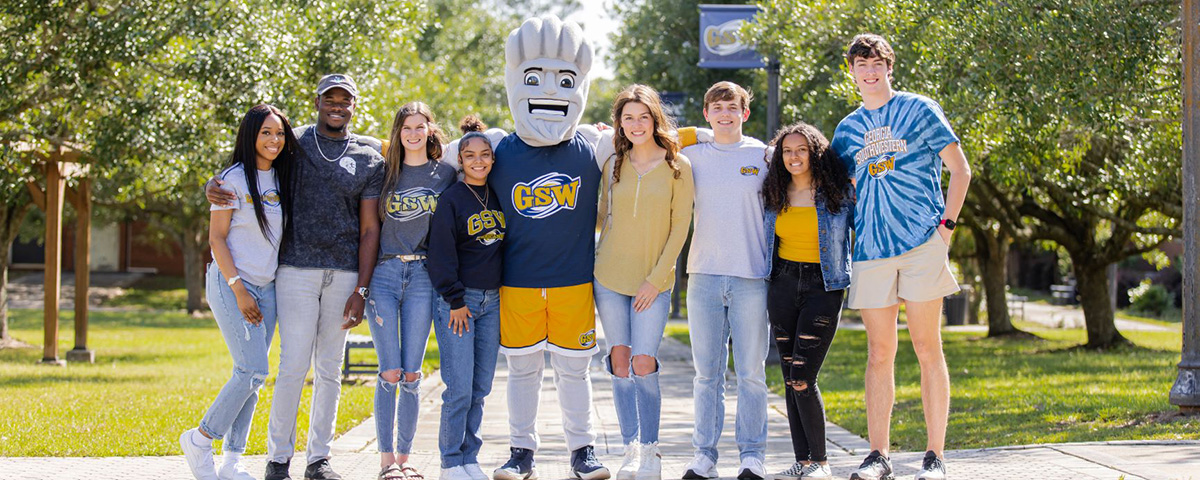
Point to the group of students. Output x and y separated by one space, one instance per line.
316 229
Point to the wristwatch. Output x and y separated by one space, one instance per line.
363 292
948 223
233 280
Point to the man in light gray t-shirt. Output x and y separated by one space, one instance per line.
727 290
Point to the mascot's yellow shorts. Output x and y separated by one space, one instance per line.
562 320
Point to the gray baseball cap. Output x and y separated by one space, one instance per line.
337 80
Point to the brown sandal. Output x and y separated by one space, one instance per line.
392 472
410 472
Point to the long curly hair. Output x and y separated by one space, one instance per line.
394 155
829 176
663 124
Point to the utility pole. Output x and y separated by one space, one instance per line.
1186 392
772 98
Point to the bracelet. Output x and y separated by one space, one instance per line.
233 280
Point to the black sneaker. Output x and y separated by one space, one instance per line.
932 468
519 466
320 470
277 471
875 467
585 466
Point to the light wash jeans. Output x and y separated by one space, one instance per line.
720 306
637 398
468 365
311 302
400 314
573 383
230 414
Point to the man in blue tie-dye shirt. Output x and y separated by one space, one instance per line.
895 144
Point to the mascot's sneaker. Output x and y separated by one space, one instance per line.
700 467
518 467
874 467
585 466
932 468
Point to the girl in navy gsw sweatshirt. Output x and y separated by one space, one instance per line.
464 264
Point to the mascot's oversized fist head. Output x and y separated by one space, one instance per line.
546 72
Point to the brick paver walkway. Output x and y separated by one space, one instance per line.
355 457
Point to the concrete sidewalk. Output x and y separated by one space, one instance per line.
355 457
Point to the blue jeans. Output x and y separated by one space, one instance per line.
400 314
468 365
720 307
229 416
637 398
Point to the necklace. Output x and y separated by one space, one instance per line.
327 159
486 193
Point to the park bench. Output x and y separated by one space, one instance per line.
355 341
1063 294
1016 303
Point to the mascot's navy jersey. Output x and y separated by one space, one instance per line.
549 197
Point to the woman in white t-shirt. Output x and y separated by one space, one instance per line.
241 283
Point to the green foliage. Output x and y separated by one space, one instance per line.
1151 299
169 365
659 45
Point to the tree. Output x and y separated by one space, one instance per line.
1074 138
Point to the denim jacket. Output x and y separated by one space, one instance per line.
833 234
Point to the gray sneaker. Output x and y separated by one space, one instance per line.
874 467
932 468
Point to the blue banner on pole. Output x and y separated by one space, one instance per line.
721 42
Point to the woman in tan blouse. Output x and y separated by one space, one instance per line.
644 212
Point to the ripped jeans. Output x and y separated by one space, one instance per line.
400 315
804 318
231 412
638 398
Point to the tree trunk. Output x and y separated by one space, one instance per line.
11 217
194 243
1091 278
994 268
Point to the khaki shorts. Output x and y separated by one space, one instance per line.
918 275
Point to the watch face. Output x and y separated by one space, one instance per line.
364 292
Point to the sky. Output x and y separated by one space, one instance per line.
597 20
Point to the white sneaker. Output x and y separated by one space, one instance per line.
793 472
234 471
651 468
752 469
455 473
629 462
816 471
199 459
700 467
475 472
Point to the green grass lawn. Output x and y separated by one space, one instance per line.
154 376
155 292
1014 392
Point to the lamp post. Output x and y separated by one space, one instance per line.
1186 392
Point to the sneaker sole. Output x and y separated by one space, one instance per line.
597 474
692 475
890 476
500 474
746 474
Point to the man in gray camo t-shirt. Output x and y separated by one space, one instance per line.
326 260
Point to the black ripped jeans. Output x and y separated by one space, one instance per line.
804 318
